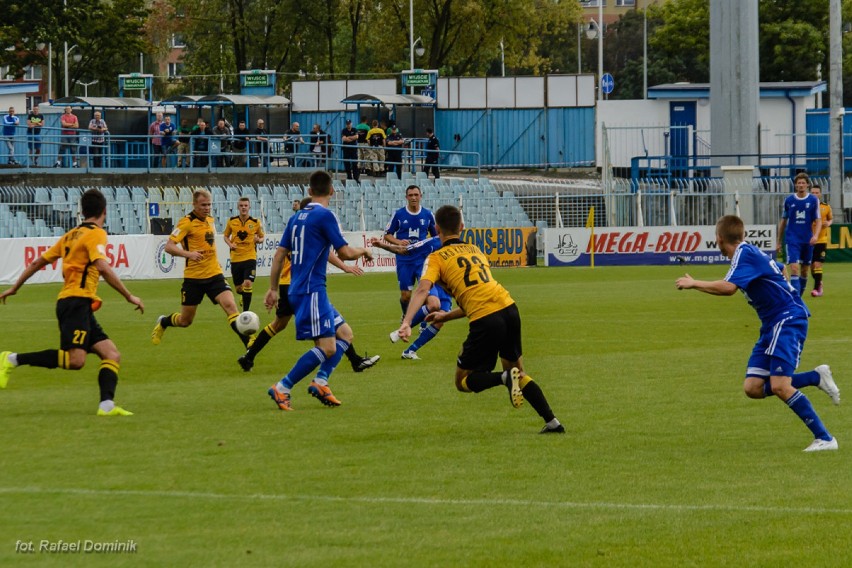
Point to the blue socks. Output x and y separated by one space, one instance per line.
306 363
803 408
426 335
803 285
419 316
327 366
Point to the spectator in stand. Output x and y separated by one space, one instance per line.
35 120
376 138
261 135
156 140
349 137
223 133
238 146
363 147
10 127
320 147
183 153
393 153
68 137
433 149
99 130
292 139
201 147
167 138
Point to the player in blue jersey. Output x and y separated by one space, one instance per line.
309 235
784 328
438 298
800 226
408 225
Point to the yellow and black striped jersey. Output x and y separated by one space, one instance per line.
196 234
464 271
79 248
242 234
825 214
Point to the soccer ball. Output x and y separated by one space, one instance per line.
248 323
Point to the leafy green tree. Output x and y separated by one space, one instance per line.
105 34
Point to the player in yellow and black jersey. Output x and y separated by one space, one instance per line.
283 313
495 323
242 234
818 258
83 254
194 239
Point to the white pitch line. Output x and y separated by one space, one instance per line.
424 501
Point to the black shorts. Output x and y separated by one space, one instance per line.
284 308
819 252
78 328
495 334
243 270
194 289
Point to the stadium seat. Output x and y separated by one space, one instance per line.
108 192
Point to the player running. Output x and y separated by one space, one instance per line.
84 261
242 235
283 313
495 323
309 235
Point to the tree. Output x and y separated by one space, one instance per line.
106 34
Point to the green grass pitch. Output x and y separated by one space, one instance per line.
665 463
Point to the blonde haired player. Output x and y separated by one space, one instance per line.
242 234
194 239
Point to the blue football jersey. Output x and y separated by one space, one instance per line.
414 227
800 214
764 286
310 234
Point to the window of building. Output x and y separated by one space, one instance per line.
625 2
175 69
177 41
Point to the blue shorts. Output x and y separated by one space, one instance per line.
407 274
778 349
315 316
799 253
445 299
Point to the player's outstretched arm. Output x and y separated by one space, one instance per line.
111 278
715 287
334 261
28 272
390 247
348 252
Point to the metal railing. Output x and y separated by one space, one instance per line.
43 212
215 153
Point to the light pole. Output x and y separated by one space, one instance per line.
40 47
411 34
595 30
86 87
645 53
502 58
77 58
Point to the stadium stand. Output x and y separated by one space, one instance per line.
48 211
